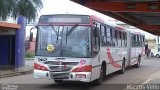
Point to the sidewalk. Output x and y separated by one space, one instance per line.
28 68
15 72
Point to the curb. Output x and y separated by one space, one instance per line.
17 73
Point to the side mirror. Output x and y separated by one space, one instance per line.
31 34
31 37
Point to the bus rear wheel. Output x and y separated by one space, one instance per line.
138 63
123 68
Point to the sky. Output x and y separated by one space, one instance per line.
65 7
68 7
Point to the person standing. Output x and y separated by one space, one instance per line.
148 52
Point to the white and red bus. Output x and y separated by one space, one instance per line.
83 48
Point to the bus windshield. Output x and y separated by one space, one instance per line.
68 41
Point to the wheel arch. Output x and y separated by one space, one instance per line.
104 66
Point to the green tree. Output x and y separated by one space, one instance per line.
6 6
14 8
27 8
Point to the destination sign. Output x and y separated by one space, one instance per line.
79 19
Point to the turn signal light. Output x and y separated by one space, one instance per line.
40 67
83 69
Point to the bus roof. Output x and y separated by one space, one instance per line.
92 17
137 33
96 18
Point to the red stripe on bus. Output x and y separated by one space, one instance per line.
111 60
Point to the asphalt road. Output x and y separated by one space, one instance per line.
148 73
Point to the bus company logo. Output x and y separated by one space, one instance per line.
82 62
62 66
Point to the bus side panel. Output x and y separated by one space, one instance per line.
135 52
113 60
96 67
128 48
116 60
134 56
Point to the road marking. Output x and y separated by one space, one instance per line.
145 82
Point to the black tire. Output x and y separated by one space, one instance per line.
138 63
157 55
102 75
58 81
123 68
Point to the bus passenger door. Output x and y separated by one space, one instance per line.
95 54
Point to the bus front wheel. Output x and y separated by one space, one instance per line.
102 75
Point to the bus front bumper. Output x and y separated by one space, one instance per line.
69 76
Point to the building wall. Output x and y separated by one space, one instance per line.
152 45
32 46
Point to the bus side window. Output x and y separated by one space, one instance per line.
133 40
119 38
143 41
116 38
133 37
140 41
103 35
122 38
95 41
113 37
137 40
109 35
125 39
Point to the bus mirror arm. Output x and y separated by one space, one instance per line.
95 32
31 34
31 37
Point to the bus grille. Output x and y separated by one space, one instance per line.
56 66
58 69
57 63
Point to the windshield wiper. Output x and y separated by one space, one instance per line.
70 30
55 32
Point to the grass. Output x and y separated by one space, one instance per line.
29 54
